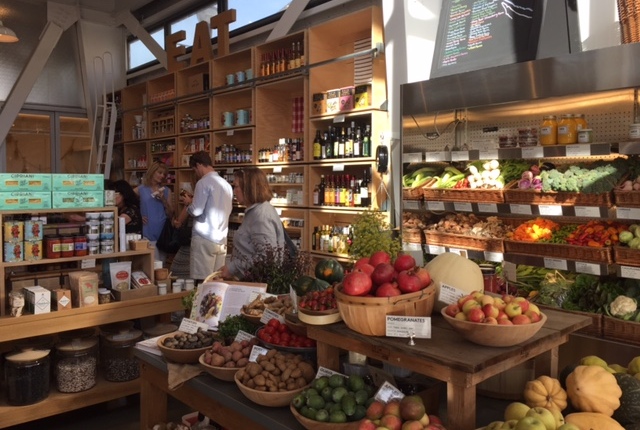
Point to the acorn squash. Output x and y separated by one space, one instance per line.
329 270
592 421
305 283
593 389
629 410
545 392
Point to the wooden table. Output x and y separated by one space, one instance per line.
221 401
450 358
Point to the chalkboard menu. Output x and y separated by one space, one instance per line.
474 34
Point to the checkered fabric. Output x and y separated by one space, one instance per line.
297 120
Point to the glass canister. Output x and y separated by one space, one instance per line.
116 355
27 376
53 246
548 131
76 364
567 130
581 121
68 246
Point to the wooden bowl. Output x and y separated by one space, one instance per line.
293 322
180 355
310 424
494 334
265 398
255 319
308 316
222 373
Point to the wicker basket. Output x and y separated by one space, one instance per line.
596 328
465 242
463 195
532 197
626 256
563 251
412 193
412 235
627 198
629 21
624 331
367 315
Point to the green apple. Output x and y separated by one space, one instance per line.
495 425
557 413
509 425
515 411
512 309
530 423
567 426
544 415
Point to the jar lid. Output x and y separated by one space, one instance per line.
585 130
116 327
566 115
106 215
27 355
77 345
160 329
77 334
549 117
124 337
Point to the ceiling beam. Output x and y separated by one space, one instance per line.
127 19
288 18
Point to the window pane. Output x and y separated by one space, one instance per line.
188 24
248 12
139 54
75 144
28 144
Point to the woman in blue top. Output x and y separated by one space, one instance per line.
155 203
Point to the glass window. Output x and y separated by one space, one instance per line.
28 144
139 54
75 144
188 23
250 12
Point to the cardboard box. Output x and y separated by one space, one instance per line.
135 293
25 182
319 104
77 182
362 97
37 299
197 83
19 200
346 98
78 199
61 300
84 288
333 101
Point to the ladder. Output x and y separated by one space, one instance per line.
106 115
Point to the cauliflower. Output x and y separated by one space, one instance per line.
623 307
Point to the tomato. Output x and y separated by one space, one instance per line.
266 337
273 322
268 330
309 343
283 328
275 338
285 337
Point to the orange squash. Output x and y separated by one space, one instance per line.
593 389
545 392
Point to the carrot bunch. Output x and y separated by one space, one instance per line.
535 230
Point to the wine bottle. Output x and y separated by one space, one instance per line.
323 147
321 191
366 142
317 146
342 141
365 191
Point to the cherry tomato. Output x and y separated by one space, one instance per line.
283 328
273 322
268 330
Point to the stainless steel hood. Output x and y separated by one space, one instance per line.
617 67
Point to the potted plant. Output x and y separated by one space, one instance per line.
277 268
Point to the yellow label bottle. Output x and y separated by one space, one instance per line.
567 130
549 131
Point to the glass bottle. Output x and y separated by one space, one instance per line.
365 196
335 138
342 142
317 146
549 131
366 142
567 130
348 146
357 142
581 122
316 195
321 191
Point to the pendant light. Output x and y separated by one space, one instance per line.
7 35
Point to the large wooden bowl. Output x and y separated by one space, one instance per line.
222 373
186 356
265 398
308 316
494 334
310 424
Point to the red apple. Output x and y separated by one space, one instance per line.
379 257
434 419
464 299
423 274
404 262
408 282
490 320
452 309
383 272
507 298
533 316
512 309
356 284
490 311
475 315
388 289
502 315
523 302
461 316
521 319
470 304
504 321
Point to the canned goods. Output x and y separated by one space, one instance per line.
585 135
93 247
107 246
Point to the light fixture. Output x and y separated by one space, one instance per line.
7 35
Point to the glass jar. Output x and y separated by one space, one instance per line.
107 246
581 121
93 247
116 355
489 276
80 247
67 246
76 364
52 244
27 376
107 230
567 130
549 131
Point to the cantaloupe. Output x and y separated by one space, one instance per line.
454 276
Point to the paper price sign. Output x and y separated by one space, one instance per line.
459 155
256 352
533 152
629 213
520 209
277 169
587 211
243 335
89 263
388 392
578 150
460 252
497 257
436 249
488 207
323 371
268 314
630 272
435 206
338 167
462 207
555 263
550 210
413 157
191 326
590 268
449 294
412 205
489 154
436 156
408 326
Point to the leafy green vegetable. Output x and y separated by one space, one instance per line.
229 328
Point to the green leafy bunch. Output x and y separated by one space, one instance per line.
371 233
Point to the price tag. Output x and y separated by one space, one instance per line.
89 263
387 392
590 268
555 263
338 167
229 132
411 205
489 154
496 257
412 157
243 335
323 371
488 207
460 252
339 118
437 156
268 314
257 351
279 211
510 270
436 249
520 209
532 152
407 326
435 206
191 326
587 211
628 213
230 171
630 272
449 294
277 169
459 155
410 246
462 207
581 150
550 210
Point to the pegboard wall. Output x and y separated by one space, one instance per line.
608 114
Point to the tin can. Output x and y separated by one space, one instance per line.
13 252
33 250
13 231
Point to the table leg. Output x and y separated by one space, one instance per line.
153 400
461 407
328 356
547 363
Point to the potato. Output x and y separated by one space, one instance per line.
230 364
236 355
260 380
253 369
242 362
217 360
296 373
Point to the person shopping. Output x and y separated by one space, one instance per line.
128 206
210 207
261 226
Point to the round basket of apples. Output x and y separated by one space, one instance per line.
377 287
491 320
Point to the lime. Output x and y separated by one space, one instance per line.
326 393
336 380
320 383
322 415
315 401
348 404
360 413
361 397
338 417
338 393
309 413
299 401
355 383
310 392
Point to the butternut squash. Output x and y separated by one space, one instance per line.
593 389
545 392
592 421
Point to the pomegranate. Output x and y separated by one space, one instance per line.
388 289
379 257
356 284
423 274
383 272
361 261
404 262
408 282
365 267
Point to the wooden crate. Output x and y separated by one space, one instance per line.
621 330
135 293
596 329
563 251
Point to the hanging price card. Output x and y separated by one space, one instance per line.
520 209
410 246
578 150
460 252
462 207
629 213
412 205
496 257
229 132
437 156
387 392
436 249
489 154
630 272
589 268
413 157
555 263
587 211
407 326
550 210
449 294
459 155
338 167
435 206
488 207
532 152
277 169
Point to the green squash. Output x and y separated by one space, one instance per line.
329 270
629 410
305 283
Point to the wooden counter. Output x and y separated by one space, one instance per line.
450 358
221 401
